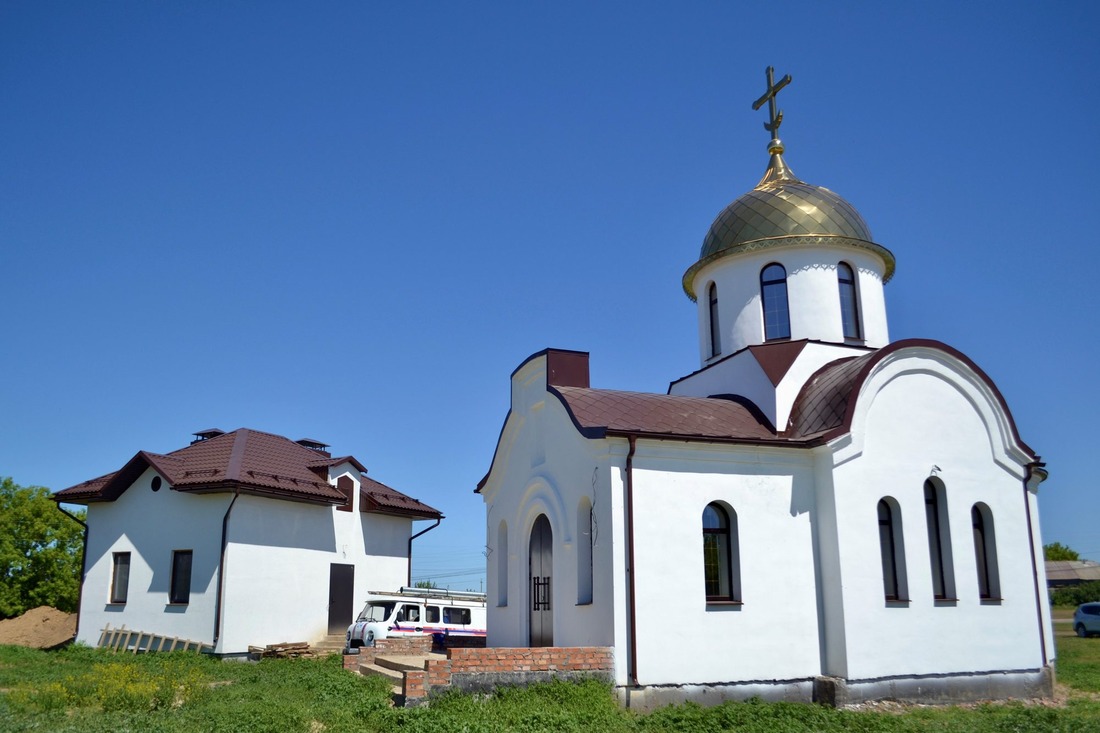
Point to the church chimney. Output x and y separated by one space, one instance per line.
566 368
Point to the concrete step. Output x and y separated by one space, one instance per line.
329 644
396 678
403 662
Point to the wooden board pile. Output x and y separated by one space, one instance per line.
284 650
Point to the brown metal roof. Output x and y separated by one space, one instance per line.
597 412
823 401
249 461
378 498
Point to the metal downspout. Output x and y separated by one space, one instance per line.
221 570
409 579
83 562
632 667
1035 470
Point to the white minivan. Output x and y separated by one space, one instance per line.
413 611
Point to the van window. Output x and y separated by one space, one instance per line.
431 614
409 614
452 615
377 611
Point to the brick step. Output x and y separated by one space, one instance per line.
404 662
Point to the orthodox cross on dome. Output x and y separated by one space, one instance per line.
776 117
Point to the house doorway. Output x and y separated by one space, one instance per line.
341 588
540 566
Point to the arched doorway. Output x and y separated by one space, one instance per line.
540 568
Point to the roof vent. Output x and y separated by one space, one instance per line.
207 434
313 444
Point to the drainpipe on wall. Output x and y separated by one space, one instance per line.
632 666
83 562
1037 472
221 570
409 579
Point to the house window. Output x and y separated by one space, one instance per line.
120 577
939 540
773 295
346 486
715 334
985 552
721 570
180 591
502 563
892 550
584 552
849 301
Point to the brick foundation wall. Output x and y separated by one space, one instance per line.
506 665
351 660
463 642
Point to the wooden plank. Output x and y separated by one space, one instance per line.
102 635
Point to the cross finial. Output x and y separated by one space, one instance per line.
775 117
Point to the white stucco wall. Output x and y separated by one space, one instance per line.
812 292
923 409
774 634
150 525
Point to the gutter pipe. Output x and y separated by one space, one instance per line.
83 562
409 578
218 600
1035 470
632 665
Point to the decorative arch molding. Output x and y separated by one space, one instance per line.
954 369
542 497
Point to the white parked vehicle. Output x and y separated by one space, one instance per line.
414 611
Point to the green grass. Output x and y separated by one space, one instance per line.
81 689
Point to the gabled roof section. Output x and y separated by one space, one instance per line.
377 498
776 358
599 412
248 461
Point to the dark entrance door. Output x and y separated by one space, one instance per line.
341 587
541 565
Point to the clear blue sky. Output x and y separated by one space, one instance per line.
351 221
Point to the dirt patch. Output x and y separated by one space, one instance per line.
39 628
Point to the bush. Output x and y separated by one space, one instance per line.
1075 595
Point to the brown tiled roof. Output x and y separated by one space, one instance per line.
376 497
823 401
597 412
249 461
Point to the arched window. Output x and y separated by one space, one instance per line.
773 295
849 301
985 552
721 564
892 550
584 551
502 563
715 333
939 540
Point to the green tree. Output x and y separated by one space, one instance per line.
1058 551
425 584
41 551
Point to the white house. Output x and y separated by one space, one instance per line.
242 538
816 513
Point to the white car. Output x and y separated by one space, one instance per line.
1086 619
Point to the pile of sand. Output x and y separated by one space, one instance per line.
39 628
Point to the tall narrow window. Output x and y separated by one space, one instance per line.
715 332
773 295
120 577
892 551
584 551
939 540
180 591
985 552
849 301
502 563
721 571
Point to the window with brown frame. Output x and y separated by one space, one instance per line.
180 588
773 297
120 577
849 301
715 333
721 561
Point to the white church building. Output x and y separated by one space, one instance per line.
815 513
239 539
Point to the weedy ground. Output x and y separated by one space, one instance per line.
82 689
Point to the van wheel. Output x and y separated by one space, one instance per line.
1080 629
